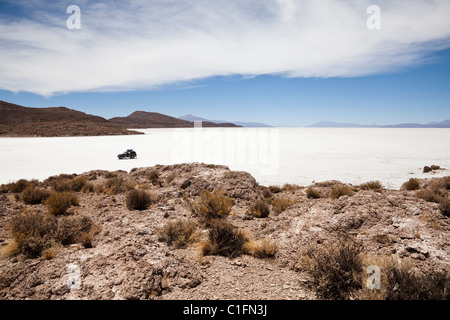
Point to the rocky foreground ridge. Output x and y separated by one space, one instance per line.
126 257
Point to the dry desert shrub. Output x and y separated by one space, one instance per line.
75 229
372 185
260 209
290 187
266 193
312 193
399 280
383 263
340 190
153 176
274 189
212 205
88 188
66 182
282 203
32 233
33 195
335 268
265 249
444 183
113 186
179 234
110 175
138 200
37 233
19 185
430 195
444 207
404 284
78 183
224 239
411 184
59 202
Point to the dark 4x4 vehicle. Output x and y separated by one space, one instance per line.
130 154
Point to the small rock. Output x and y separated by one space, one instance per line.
426 169
418 248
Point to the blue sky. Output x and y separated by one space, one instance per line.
270 62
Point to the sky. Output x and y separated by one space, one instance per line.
280 62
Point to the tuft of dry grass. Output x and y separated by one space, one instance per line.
212 205
224 239
179 234
431 195
372 185
312 193
405 284
444 183
153 176
19 185
59 202
138 200
335 268
33 195
266 193
50 253
37 234
411 184
340 190
290 187
66 182
274 189
444 207
282 203
113 186
260 209
88 188
399 280
32 233
75 229
10 250
265 249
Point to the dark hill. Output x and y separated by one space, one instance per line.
16 120
144 119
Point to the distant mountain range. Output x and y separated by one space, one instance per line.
16 120
329 124
190 117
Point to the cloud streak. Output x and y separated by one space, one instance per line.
137 44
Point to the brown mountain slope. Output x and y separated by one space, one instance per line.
143 119
17 120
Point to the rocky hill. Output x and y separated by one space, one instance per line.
138 254
143 119
19 121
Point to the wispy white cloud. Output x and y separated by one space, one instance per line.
137 44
